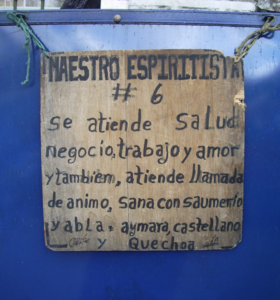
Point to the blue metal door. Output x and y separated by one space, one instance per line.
30 271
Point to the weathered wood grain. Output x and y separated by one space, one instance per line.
171 180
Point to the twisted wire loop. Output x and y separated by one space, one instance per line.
19 20
252 38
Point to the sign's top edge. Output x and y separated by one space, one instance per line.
141 17
202 51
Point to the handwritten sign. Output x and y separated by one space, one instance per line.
142 150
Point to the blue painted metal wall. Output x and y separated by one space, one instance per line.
28 270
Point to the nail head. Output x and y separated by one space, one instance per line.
117 18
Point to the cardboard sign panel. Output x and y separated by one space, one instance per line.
142 150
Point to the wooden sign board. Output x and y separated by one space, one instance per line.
142 150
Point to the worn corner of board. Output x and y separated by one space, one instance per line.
232 247
50 248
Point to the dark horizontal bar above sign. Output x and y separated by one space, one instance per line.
142 17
